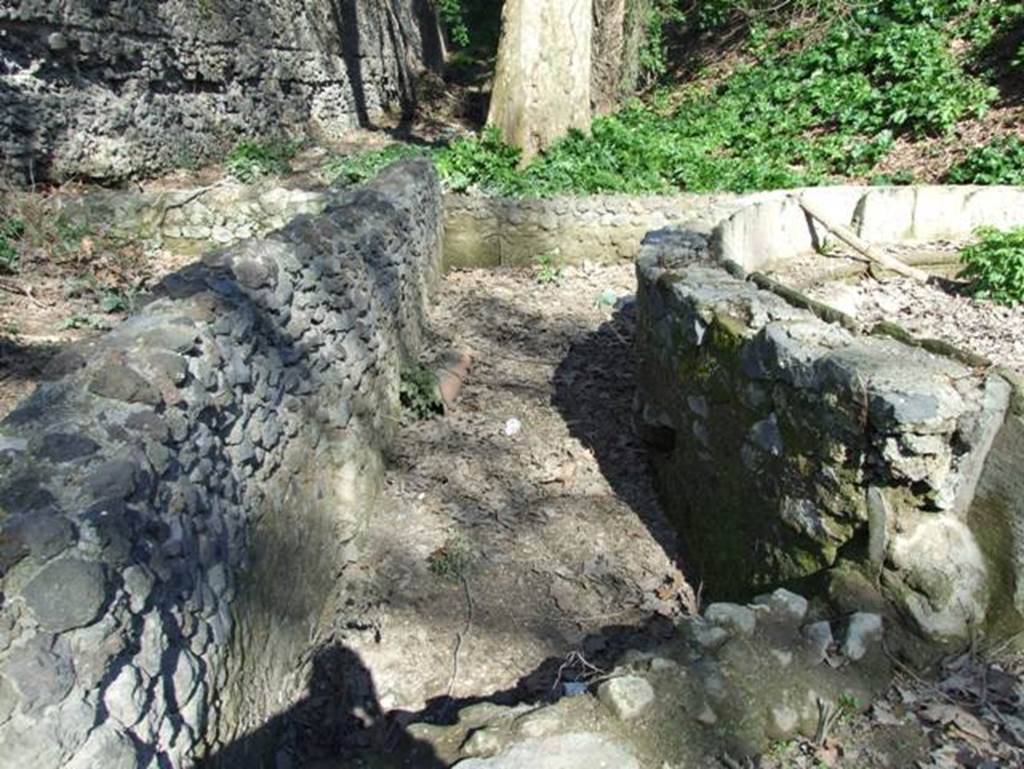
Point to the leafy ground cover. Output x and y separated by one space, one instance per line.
822 94
995 265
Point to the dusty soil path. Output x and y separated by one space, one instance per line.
501 552
504 565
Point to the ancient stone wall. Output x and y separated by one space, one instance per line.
178 500
488 232
478 232
794 444
114 90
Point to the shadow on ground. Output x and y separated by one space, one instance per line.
595 386
340 716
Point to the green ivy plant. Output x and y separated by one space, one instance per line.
361 167
250 160
822 100
995 265
11 231
1001 161
418 392
452 560
548 268
453 18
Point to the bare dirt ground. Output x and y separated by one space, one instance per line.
523 525
941 309
503 562
71 280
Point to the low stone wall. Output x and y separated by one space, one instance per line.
492 232
177 502
193 220
479 232
796 445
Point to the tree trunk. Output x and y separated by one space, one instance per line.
542 79
620 30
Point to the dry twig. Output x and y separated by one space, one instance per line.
851 239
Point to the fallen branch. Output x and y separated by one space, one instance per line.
194 195
14 288
851 239
459 638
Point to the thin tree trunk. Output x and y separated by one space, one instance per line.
620 31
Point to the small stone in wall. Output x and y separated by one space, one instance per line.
41 676
626 696
482 742
121 383
784 605
783 721
819 639
582 750
707 636
107 748
67 593
862 632
738 620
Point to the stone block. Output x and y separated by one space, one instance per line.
67 593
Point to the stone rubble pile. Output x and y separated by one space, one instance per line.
735 680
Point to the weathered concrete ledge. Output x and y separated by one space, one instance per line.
770 228
177 502
797 447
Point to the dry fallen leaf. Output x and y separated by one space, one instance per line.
971 726
829 753
882 714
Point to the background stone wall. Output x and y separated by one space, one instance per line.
117 89
795 445
177 502
491 232
478 232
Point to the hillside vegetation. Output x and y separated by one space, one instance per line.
807 93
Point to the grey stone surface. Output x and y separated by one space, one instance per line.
178 541
125 697
122 383
819 640
737 620
814 434
107 748
784 604
567 751
39 672
79 94
626 696
861 633
67 593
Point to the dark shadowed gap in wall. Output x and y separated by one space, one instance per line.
346 20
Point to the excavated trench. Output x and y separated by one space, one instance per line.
519 546
279 609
